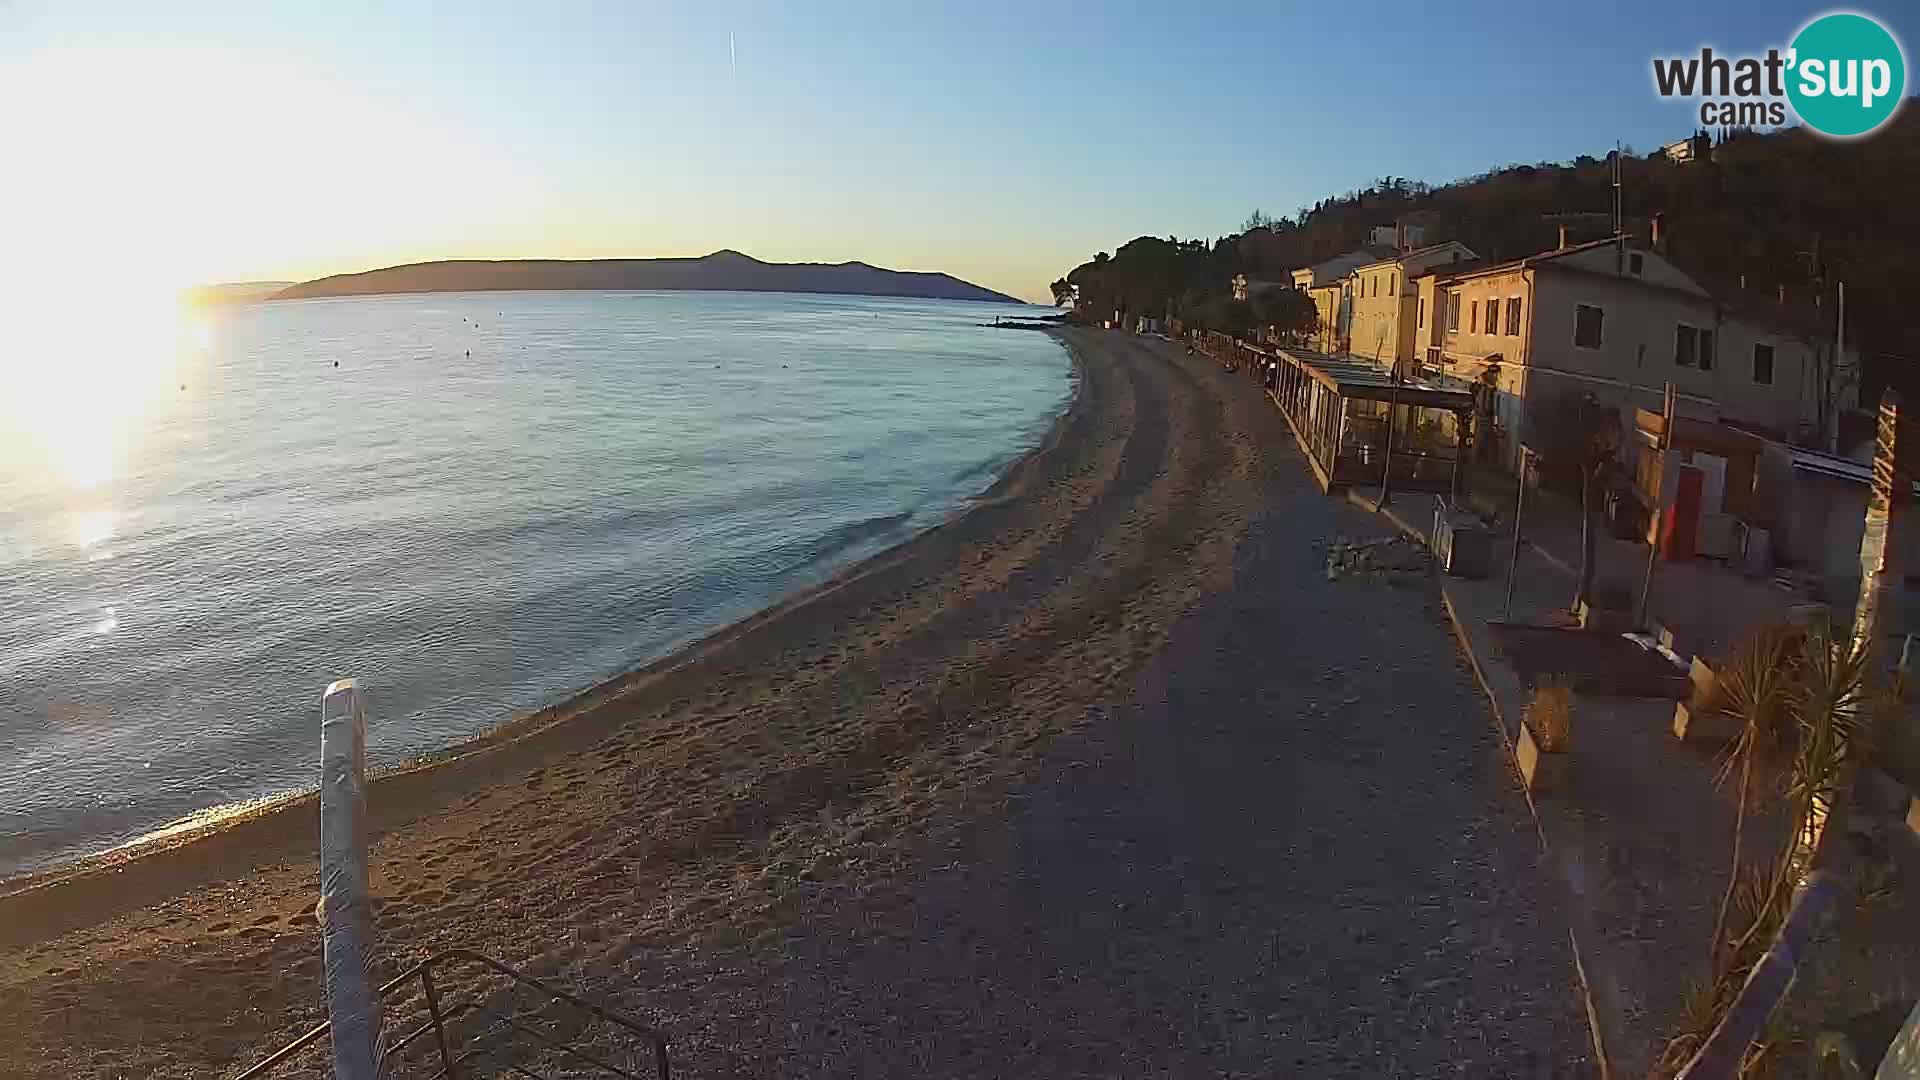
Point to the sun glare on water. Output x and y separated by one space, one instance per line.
91 333
79 370
133 173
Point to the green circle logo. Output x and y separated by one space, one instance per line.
1846 74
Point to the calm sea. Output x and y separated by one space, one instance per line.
492 500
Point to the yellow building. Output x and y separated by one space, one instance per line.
1326 284
1383 302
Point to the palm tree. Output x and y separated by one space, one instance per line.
1756 685
1816 688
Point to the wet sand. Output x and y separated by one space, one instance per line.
701 838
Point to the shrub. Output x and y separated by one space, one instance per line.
1549 716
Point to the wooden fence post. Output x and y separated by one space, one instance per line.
346 907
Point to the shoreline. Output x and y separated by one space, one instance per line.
700 803
907 817
284 826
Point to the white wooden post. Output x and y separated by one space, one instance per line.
345 902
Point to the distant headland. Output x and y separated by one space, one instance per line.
722 270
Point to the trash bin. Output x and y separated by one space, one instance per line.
1461 544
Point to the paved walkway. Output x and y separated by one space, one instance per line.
1638 836
1294 848
1715 606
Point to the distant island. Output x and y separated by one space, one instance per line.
234 292
722 270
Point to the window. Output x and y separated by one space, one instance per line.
1453 312
1473 317
1420 313
1391 283
1493 315
1693 347
1763 364
1588 326
1513 316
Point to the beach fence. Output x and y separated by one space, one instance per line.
456 1014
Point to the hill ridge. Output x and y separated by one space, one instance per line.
722 270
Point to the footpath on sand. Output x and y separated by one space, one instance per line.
1104 777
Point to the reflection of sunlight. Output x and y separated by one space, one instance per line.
108 624
75 373
132 172
91 527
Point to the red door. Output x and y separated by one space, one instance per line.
1680 525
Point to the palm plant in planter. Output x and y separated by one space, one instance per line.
1806 701
1755 690
1546 734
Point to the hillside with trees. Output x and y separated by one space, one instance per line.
1785 209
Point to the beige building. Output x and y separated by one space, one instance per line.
1383 302
1620 322
1325 284
1330 309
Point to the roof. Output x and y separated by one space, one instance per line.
1353 378
1340 264
1534 259
1405 256
1813 461
1796 319
1431 248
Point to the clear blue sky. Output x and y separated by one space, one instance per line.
1002 143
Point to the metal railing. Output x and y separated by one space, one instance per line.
456 1055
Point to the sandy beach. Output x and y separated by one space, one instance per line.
1124 656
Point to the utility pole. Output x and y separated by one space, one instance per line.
1659 509
1839 358
1619 228
1513 557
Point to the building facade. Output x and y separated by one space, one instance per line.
1385 303
1325 283
1618 322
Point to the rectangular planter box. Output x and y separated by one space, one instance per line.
1679 642
1604 620
1541 771
1690 721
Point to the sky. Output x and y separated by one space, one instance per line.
1003 143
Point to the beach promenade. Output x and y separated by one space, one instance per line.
1105 777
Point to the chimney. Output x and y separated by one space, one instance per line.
1564 244
1659 232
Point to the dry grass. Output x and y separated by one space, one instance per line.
1550 716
